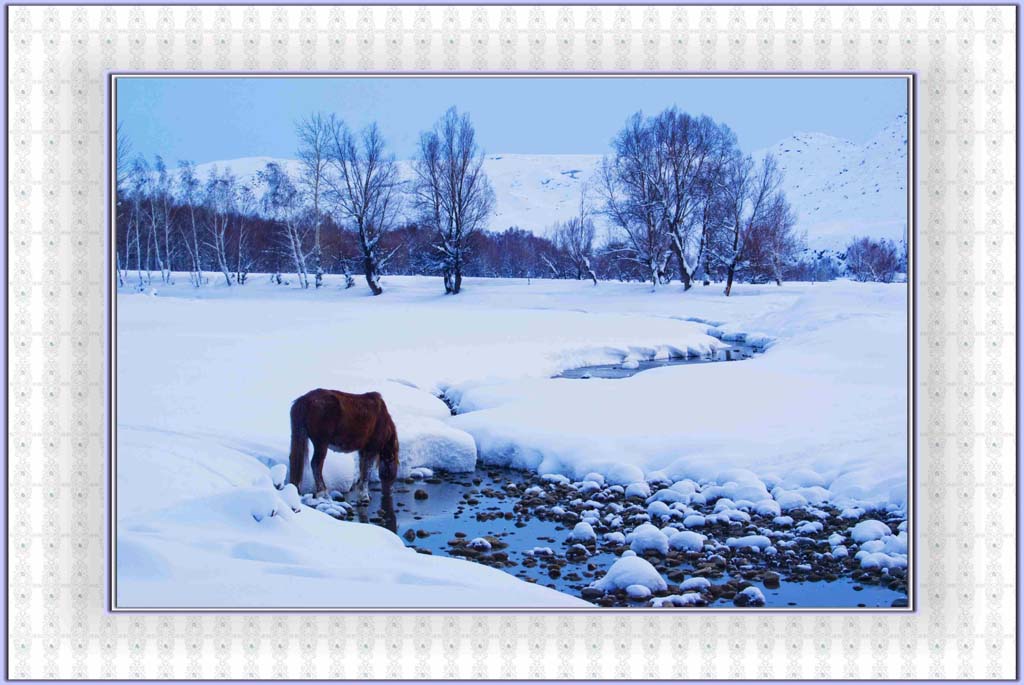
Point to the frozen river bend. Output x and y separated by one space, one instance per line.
205 379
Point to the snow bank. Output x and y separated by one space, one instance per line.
821 416
200 523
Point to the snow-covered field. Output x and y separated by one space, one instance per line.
205 379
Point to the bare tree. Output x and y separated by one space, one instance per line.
451 191
161 209
138 191
189 195
632 200
575 239
684 145
219 203
281 203
871 260
316 134
749 190
364 188
122 155
245 204
772 244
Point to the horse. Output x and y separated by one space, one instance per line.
344 422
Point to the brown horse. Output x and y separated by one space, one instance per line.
344 423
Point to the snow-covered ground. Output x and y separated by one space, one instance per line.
205 379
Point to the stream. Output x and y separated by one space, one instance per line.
521 523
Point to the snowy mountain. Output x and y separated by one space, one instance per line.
838 188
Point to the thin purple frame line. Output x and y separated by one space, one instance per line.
111 309
545 3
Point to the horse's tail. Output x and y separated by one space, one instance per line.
300 442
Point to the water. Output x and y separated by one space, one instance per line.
447 512
736 352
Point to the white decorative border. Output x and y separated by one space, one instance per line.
964 57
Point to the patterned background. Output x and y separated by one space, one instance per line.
965 626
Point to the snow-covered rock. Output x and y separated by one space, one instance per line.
695 584
629 569
750 596
583 532
687 540
278 472
694 521
748 541
638 592
648 538
639 489
869 529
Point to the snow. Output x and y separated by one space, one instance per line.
750 596
648 538
839 188
638 592
749 541
687 540
628 570
684 600
696 584
640 489
694 521
201 524
206 377
583 532
869 529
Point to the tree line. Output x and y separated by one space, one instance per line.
680 199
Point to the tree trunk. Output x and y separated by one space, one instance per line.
457 285
729 277
372 279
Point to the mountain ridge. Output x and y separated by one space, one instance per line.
837 188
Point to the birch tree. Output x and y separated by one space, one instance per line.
246 207
122 155
315 134
219 203
161 210
189 196
451 191
281 202
364 188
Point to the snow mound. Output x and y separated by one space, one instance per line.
648 538
628 570
869 529
687 540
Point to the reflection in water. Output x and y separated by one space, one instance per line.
385 515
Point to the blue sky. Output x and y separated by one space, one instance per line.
208 119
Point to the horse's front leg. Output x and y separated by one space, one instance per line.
362 484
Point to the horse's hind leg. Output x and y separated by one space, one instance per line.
319 457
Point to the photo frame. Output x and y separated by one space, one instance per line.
539 27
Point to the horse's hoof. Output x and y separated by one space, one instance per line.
321 495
